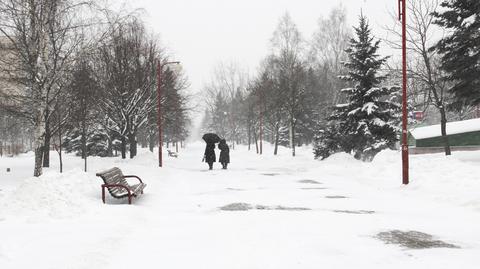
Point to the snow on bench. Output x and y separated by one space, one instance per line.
117 185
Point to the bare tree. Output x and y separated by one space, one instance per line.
328 45
287 55
84 102
421 36
126 63
44 37
225 94
176 108
270 100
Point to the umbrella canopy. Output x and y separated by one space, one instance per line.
211 138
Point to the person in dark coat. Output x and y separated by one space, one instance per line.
224 153
209 155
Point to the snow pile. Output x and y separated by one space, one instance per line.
54 195
341 158
452 180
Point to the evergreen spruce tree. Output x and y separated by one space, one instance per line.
461 49
326 142
368 122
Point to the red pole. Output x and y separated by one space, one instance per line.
403 18
159 118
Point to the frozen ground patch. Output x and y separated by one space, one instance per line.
246 207
237 207
413 240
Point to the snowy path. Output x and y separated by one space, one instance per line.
178 223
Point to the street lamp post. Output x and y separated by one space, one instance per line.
159 108
402 16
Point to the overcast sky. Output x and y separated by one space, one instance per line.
202 33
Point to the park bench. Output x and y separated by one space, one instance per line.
117 185
172 154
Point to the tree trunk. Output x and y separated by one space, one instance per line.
84 144
38 159
46 146
277 137
151 141
256 140
438 100
123 147
292 137
443 126
109 147
133 145
261 142
249 134
38 140
38 144
60 147
176 146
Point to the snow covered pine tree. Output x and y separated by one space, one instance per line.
368 122
460 49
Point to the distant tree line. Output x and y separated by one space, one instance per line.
337 92
82 78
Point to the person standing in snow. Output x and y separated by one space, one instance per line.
209 156
224 153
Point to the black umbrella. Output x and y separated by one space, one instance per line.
211 138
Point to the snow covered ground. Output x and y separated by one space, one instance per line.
303 213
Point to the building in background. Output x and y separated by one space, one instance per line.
14 131
462 136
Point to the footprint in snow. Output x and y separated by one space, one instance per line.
246 207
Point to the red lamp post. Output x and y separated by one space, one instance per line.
159 108
402 16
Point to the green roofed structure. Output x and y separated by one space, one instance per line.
462 136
